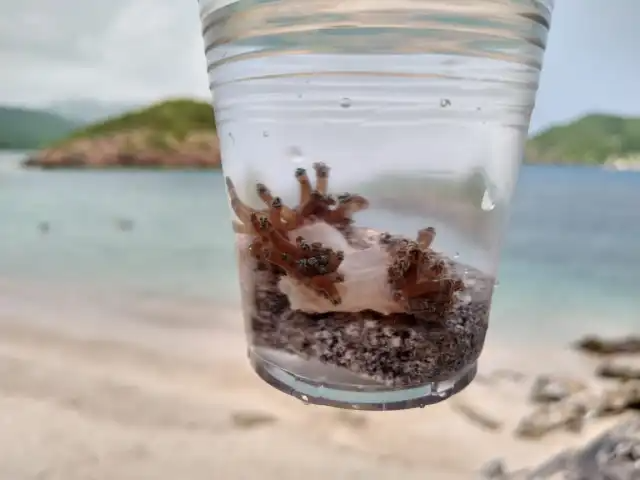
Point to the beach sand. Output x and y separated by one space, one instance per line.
153 392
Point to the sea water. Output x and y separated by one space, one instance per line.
570 262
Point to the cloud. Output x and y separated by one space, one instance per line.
115 50
61 30
142 50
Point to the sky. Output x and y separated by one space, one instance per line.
133 51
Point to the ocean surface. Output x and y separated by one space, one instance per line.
570 263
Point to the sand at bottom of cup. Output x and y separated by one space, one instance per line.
320 384
400 350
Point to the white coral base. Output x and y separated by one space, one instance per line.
365 285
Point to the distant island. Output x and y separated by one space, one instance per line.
590 140
29 129
176 133
181 133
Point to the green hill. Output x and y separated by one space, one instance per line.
25 129
182 125
175 119
590 140
176 133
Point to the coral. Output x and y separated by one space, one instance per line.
314 204
312 265
309 246
417 271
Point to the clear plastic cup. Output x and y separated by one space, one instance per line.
370 150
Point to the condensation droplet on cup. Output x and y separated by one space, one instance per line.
265 134
345 102
487 204
445 102
456 255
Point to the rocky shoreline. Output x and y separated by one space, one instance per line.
562 403
132 150
613 455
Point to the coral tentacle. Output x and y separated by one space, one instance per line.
275 215
326 286
322 177
426 237
280 243
267 197
305 185
242 210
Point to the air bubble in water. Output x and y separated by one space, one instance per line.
445 102
345 102
265 134
456 255
488 203
304 399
